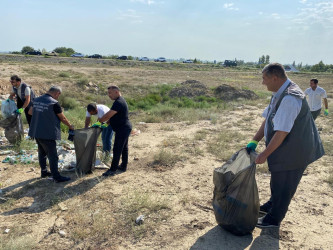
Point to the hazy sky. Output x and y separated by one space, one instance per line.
293 30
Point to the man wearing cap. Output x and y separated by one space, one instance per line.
292 142
24 94
315 94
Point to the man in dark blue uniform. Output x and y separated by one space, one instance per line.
45 128
118 117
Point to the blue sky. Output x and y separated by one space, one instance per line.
300 30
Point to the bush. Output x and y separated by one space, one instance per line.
82 82
64 74
67 102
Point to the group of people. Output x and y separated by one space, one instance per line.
291 137
44 115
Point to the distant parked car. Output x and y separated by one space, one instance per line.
146 59
95 56
229 63
37 53
77 55
53 53
122 57
160 59
188 61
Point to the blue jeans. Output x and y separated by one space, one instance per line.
107 138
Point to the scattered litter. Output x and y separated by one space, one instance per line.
141 123
135 132
7 230
140 219
100 165
62 233
6 152
136 158
62 207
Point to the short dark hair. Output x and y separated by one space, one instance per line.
55 89
314 80
15 78
91 107
275 69
113 87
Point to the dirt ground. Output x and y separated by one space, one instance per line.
45 215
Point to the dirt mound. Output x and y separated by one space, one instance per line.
190 88
226 92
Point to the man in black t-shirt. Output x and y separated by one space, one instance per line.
118 117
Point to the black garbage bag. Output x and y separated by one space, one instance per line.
13 128
85 141
236 198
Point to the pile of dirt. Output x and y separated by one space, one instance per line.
190 88
228 93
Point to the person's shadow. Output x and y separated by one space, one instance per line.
46 193
219 239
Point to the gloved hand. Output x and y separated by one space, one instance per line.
71 135
19 111
251 146
326 112
96 125
104 125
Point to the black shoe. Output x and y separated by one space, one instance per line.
266 208
45 174
109 173
121 168
62 179
267 222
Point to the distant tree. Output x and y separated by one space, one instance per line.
267 59
64 51
294 63
319 67
26 49
44 51
262 59
130 58
299 66
15 52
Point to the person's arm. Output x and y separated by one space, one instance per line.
64 120
260 134
87 122
26 102
276 141
325 103
11 96
107 115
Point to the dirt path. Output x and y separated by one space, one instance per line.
176 201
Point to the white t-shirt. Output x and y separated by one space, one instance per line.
286 114
314 97
27 91
101 110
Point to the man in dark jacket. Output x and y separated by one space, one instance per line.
118 117
292 142
24 95
45 128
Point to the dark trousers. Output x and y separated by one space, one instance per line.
315 114
283 187
120 148
27 115
47 148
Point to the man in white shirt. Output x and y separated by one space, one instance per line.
315 94
292 142
107 132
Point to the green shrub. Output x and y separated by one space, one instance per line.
82 82
67 102
64 74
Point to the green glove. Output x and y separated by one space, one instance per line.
251 146
104 125
20 111
326 112
96 125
